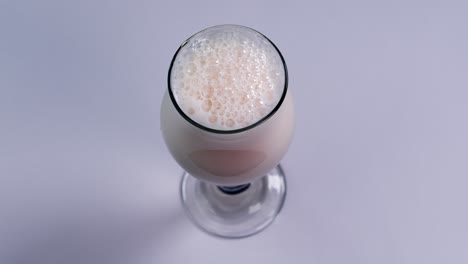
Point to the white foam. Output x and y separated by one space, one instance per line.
227 77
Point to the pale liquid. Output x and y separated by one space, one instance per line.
227 80
228 159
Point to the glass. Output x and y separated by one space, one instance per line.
227 118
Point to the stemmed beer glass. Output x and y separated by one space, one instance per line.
227 118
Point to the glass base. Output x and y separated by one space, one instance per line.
234 215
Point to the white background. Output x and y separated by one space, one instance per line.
377 172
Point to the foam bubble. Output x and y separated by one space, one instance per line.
227 77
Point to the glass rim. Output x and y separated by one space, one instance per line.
232 131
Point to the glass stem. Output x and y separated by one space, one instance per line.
233 190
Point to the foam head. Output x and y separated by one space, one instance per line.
227 78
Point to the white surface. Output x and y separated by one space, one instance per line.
376 173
